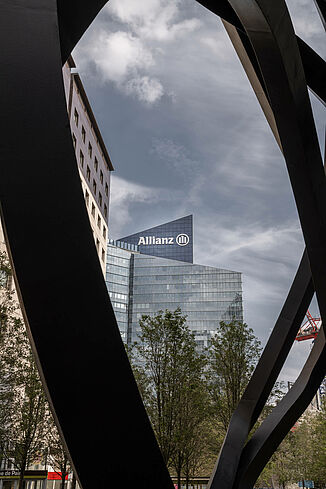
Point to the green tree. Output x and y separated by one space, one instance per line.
233 354
8 322
57 455
169 372
303 448
29 420
23 406
192 402
319 448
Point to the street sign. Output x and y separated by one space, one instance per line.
308 484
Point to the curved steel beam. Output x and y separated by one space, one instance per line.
314 66
268 436
65 302
74 17
321 8
284 83
264 376
271 34
314 69
135 440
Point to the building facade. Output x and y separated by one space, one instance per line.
93 160
172 240
140 283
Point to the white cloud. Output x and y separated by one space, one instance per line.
127 57
146 89
120 57
152 19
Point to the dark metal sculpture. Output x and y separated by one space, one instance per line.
279 66
71 323
65 303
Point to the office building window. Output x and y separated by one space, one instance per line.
103 254
106 189
100 198
99 222
104 232
90 150
83 134
86 197
74 140
101 177
97 244
81 158
105 211
94 186
95 164
88 173
76 117
93 210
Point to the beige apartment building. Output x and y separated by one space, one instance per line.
93 160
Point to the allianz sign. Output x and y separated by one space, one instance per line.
181 240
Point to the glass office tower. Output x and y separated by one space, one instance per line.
140 284
172 240
118 282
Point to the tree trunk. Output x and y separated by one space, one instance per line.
179 478
179 474
21 484
63 475
73 482
272 481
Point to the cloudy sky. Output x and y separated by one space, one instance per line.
186 135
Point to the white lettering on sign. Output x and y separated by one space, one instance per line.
181 240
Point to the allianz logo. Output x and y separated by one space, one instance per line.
181 240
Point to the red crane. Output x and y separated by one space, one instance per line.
309 329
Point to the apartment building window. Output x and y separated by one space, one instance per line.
97 244
81 158
88 173
104 232
100 198
95 164
105 211
101 177
86 197
106 189
90 150
76 117
99 222
94 186
103 254
74 140
93 210
83 134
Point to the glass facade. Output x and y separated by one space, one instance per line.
118 282
142 284
206 295
172 240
